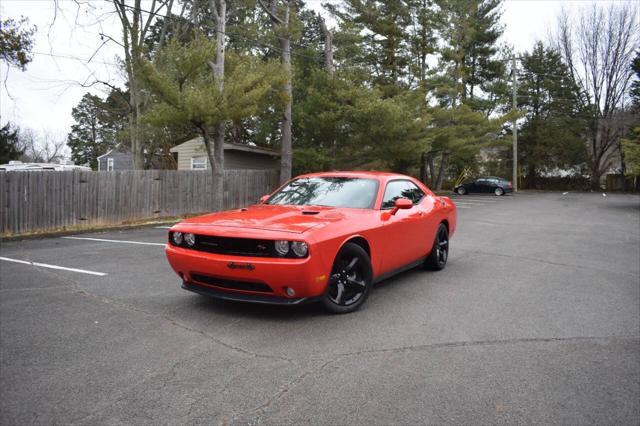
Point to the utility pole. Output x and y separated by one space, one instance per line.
515 124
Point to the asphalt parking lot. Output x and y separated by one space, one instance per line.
536 319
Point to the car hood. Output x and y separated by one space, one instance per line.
294 219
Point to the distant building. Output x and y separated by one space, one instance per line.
116 159
192 155
19 166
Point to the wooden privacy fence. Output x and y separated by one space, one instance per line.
47 200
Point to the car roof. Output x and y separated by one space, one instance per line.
356 174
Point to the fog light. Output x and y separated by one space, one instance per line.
290 292
190 239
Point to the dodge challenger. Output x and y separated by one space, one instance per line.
325 237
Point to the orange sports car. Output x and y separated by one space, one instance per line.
324 237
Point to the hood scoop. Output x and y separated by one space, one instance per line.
309 212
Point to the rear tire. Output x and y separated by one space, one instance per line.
350 280
437 259
498 191
461 190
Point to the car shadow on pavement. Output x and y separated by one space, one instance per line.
256 310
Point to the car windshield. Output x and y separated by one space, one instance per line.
328 191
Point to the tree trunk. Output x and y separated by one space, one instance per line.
431 169
423 168
328 47
531 176
444 161
215 155
217 168
286 155
281 26
216 158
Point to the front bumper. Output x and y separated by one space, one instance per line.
242 297
307 277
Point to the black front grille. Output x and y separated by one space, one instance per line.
232 284
235 246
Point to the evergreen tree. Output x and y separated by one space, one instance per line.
552 136
10 148
95 130
469 31
631 144
16 42
187 93
380 28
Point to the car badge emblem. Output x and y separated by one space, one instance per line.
247 266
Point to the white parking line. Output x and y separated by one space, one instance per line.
462 207
162 227
471 203
45 265
484 200
114 241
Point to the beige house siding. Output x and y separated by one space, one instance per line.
187 150
234 157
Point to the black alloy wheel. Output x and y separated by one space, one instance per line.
350 280
437 259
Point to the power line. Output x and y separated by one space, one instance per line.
85 61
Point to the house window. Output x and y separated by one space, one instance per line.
198 163
109 164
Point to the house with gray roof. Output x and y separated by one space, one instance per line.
192 155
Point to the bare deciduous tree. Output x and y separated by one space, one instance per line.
598 45
43 147
136 22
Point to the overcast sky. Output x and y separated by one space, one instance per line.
42 97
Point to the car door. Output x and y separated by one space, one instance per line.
404 232
474 186
482 186
493 184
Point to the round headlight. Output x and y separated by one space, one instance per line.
282 247
190 239
299 248
177 238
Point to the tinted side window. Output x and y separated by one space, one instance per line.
401 189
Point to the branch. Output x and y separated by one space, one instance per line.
214 8
165 24
111 38
273 16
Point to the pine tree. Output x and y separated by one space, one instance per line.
10 148
380 29
551 137
186 92
469 31
631 144
96 125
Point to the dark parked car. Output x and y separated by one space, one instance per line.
488 185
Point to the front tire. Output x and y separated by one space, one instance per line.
350 280
462 190
437 259
498 191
